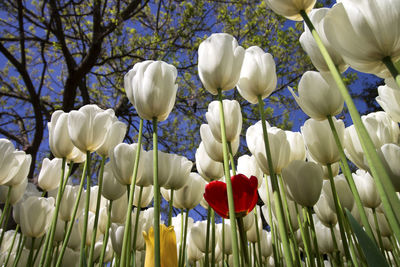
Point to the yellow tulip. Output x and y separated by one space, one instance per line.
168 253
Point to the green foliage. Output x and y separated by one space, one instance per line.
55 36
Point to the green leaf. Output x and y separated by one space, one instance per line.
371 252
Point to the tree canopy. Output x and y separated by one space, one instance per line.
68 53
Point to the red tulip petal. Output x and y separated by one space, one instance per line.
216 196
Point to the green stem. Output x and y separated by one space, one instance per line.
378 232
390 201
72 221
339 213
97 215
30 257
171 201
231 158
258 237
314 236
12 244
156 197
275 190
349 177
392 68
181 244
255 258
106 234
243 240
212 238
19 252
335 245
71 165
206 261
7 217
82 258
185 237
271 222
37 251
50 239
138 208
6 207
231 204
305 237
126 239
223 240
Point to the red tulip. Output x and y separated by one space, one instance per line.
244 195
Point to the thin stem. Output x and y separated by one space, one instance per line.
275 190
258 237
243 240
138 208
82 258
6 207
97 215
7 217
390 201
231 158
335 245
49 240
349 177
12 244
378 231
19 252
339 213
231 204
223 240
314 236
392 68
171 201
185 237
181 244
305 237
212 238
30 257
156 197
126 238
71 165
207 260
106 234
72 221
271 222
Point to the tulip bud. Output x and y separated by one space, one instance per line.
112 189
314 89
233 122
220 60
151 88
343 191
214 147
122 159
147 196
304 180
115 135
59 140
248 166
35 215
309 45
50 174
367 190
88 127
320 142
389 99
360 32
191 194
324 212
389 154
257 76
208 169
291 8
279 146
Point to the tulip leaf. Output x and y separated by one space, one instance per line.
397 64
371 252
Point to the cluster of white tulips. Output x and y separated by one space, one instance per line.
318 212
